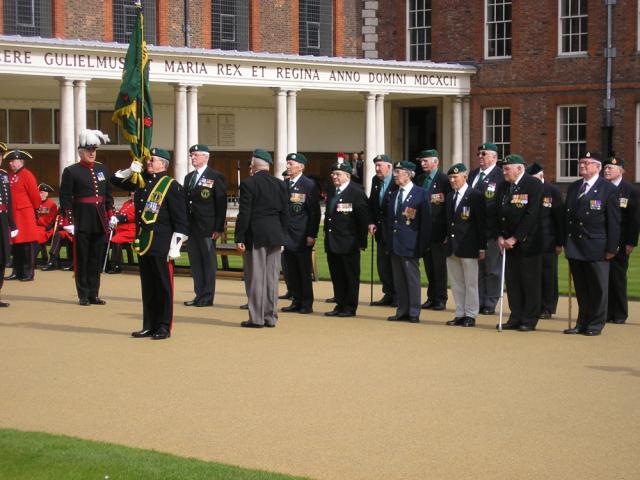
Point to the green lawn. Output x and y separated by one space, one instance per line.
41 456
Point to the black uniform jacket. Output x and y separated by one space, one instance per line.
438 191
466 224
410 225
488 187
263 217
6 217
551 218
304 213
519 214
592 222
345 225
377 211
628 195
207 201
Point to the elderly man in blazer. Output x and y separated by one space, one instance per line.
409 216
206 197
466 244
346 222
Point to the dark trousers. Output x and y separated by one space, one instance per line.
385 272
618 307
156 278
297 268
549 282
591 281
89 249
406 275
435 264
24 258
204 265
522 276
344 269
489 272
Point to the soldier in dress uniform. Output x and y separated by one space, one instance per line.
409 227
302 231
123 224
519 200
25 198
161 219
593 235
618 308
206 194
7 225
382 186
487 178
437 186
466 244
85 197
552 225
346 223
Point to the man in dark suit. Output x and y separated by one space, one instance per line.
346 222
593 235
206 196
519 201
618 308
261 230
304 222
409 215
85 199
7 225
161 219
487 178
437 187
466 244
552 226
382 186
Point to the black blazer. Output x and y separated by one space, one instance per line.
628 195
410 226
466 224
346 224
551 218
304 213
206 202
438 191
263 217
488 187
378 212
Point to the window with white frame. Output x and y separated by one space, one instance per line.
497 129
316 27
572 18
29 18
124 20
572 139
498 29
230 24
419 29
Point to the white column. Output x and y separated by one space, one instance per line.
370 143
180 147
192 115
380 124
80 97
292 121
280 162
456 154
466 129
67 127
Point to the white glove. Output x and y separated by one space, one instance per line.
174 246
14 233
136 167
124 174
69 228
113 222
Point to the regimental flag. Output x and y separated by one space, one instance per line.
133 110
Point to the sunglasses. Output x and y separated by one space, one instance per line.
482 154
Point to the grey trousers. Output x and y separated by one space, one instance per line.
406 279
489 273
262 271
463 273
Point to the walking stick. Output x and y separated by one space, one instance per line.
106 256
371 280
570 300
504 264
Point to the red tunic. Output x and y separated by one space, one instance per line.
46 217
126 229
26 199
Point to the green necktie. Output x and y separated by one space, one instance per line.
481 177
427 183
194 180
334 200
399 203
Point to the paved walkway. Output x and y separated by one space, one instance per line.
328 398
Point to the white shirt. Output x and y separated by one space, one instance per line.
461 191
292 181
486 174
199 173
589 183
405 191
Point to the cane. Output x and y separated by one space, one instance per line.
106 256
504 264
570 300
371 280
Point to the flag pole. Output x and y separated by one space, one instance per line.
141 116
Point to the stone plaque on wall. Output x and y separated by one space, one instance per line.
208 129
227 129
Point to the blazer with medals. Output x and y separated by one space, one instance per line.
304 213
551 218
488 187
410 225
519 214
466 224
628 195
592 222
378 211
7 225
346 224
206 201
438 191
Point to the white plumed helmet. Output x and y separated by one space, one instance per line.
92 138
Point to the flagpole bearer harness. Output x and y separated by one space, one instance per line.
152 206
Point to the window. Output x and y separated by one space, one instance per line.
230 24
124 19
41 125
572 138
573 26
18 126
316 27
498 29
497 129
419 21
29 18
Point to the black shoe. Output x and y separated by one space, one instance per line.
84 302
346 314
3 304
526 328
250 324
13 276
305 310
269 325
427 305
49 266
383 302
286 296
330 300
413 320
96 301
619 322
68 268
398 318
487 311
115 270
332 313
573 331
204 304
456 321
143 333
508 326
190 303
245 306
27 279
161 334
546 315
438 306
468 322
291 308
591 333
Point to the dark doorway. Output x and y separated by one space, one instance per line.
420 130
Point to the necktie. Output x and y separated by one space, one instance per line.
480 177
455 200
583 189
382 192
427 183
291 184
194 180
399 202
334 200
512 188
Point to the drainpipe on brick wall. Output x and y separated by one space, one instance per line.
187 26
609 101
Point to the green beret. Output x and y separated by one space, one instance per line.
488 146
592 156
43 187
619 162
428 153
405 165
342 166
513 159
17 155
297 157
199 147
263 155
534 168
382 158
161 152
457 168
285 173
